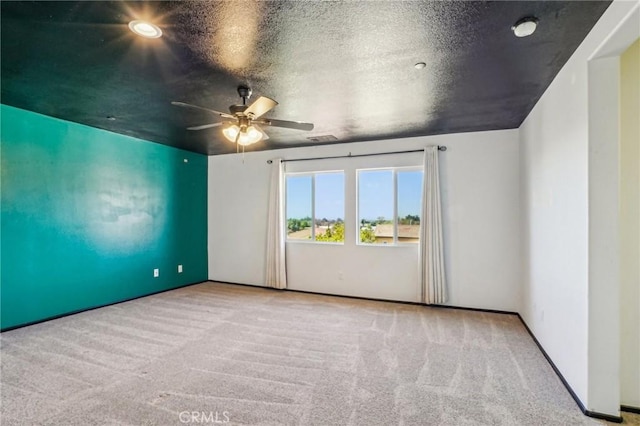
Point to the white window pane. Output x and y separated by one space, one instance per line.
329 206
409 206
375 206
299 204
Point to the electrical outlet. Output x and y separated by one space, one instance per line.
156 273
179 269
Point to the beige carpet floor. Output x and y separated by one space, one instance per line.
630 419
240 355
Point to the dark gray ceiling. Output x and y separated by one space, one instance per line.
348 67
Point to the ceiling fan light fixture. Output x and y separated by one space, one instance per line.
249 136
525 26
230 132
253 133
237 126
145 29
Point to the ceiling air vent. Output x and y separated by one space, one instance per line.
324 138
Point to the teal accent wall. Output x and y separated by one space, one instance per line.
88 214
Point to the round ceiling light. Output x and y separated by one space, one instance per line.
525 27
145 29
420 65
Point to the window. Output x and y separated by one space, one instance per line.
315 207
389 205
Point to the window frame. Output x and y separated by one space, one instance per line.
394 171
313 205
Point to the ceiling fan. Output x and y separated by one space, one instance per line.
242 123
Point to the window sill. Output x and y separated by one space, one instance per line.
389 245
318 243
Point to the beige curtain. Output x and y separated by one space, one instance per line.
276 275
434 288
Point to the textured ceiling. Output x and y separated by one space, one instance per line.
348 67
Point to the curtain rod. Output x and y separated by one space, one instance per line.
440 148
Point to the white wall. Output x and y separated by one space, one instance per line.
630 227
479 175
604 239
560 279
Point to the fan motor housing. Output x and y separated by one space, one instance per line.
237 109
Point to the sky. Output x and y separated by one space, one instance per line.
329 196
375 194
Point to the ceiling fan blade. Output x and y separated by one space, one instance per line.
265 136
205 126
260 107
298 125
221 114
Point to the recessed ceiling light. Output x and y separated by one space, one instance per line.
145 29
525 27
420 65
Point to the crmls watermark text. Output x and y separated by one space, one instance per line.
210 417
